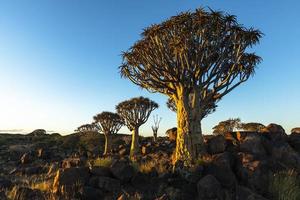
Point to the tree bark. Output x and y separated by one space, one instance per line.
107 149
154 136
189 141
135 149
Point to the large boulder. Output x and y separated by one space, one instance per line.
285 154
223 173
109 184
123 171
295 130
275 132
294 141
216 144
253 173
66 179
172 134
209 188
91 193
253 144
100 171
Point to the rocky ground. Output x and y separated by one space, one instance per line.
238 165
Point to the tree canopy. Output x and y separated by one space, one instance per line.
108 122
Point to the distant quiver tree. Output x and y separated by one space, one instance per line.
135 112
195 58
155 126
85 128
108 123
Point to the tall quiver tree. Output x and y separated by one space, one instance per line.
108 123
155 126
135 112
195 58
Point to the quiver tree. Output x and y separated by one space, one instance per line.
252 126
108 123
195 58
155 126
85 128
135 112
227 126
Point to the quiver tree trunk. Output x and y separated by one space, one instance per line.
189 142
154 136
135 149
108 144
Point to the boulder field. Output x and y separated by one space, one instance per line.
236 165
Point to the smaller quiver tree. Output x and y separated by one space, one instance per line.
135 112
85 128
155 127
108 123
227 126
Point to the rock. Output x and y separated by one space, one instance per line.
172 134
243 193
90 193
3 195
216 144
109 184
66 179
123 171
100 171
123 151
284 153
224 159
209 188
5 184
275 132
223 174
25 159
253 144
295 130
294 141
145 150
32 170
24 193
93 181
72 162
253 173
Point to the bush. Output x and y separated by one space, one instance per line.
285 186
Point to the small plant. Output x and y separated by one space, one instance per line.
285 186
103 162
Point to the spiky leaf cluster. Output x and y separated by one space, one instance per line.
204 50
136 111
108 122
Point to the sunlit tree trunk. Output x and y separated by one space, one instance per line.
154 136
135 149
107 149
189 142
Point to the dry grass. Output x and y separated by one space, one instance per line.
151 165
285 186
103 162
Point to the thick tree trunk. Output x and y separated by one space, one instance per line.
134 149
189 142
107 149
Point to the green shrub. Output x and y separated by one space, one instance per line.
285 186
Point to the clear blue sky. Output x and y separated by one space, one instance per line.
59 61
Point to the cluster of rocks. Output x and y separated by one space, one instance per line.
237 165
